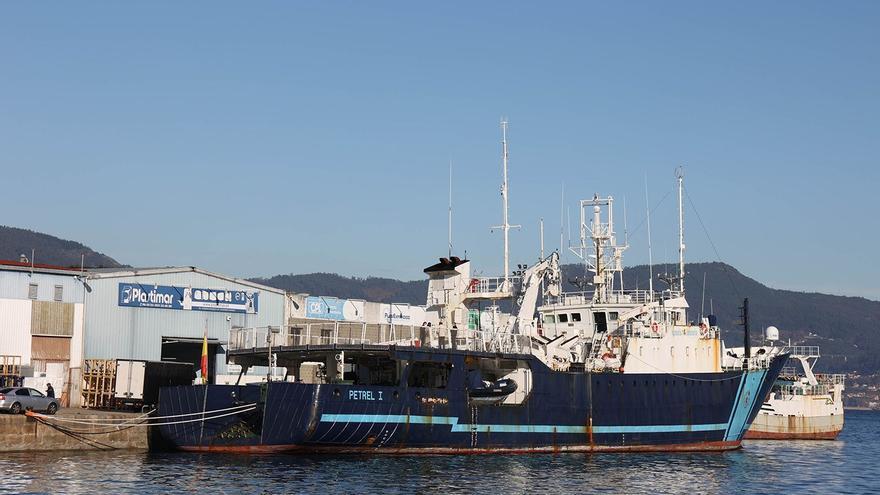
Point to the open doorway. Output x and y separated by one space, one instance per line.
189 350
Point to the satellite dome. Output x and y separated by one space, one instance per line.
772 333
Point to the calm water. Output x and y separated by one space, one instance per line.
849 465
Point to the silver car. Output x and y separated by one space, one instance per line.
18 399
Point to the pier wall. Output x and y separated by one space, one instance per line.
20 433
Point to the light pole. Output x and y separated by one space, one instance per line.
270 369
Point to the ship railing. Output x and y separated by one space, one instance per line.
788 372
255 337
752 363
647 331
322 333
803 389
831 378
490 341
806 351
486 285
635 296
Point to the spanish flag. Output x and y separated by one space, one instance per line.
205 358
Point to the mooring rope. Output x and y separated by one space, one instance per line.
145 417
115 428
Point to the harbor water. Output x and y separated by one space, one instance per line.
847 465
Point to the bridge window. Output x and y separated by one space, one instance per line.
563 318
549 318
575 317
429 375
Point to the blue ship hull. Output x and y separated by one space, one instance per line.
564 411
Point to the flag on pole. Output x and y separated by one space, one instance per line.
205 357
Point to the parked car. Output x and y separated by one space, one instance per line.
19 399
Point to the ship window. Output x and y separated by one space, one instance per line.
59 292
374 371
429 375
601 323
32 291
575 317
563 318
550 318
612 316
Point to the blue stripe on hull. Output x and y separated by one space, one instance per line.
377 419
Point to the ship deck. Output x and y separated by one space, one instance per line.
259 356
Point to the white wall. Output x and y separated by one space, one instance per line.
15 328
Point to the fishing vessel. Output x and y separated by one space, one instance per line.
802 404
623 370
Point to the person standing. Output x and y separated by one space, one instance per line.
50 392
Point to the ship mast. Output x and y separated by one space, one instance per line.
679 174
505 226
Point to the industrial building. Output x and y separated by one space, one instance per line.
41 324
164 313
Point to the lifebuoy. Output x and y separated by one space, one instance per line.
655 327
704 330
472 287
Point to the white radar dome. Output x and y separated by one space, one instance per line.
772 333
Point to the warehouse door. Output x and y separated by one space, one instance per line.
189 350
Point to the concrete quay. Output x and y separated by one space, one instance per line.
20 433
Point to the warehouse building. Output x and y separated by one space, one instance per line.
163 314
41 325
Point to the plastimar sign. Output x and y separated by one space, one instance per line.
187 298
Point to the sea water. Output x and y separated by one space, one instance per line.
850 464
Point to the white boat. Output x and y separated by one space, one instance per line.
802 404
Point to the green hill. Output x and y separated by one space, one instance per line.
49 249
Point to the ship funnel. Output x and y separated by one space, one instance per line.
771 334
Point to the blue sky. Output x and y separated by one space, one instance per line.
315 136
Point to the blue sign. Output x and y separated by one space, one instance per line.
327 308
187 298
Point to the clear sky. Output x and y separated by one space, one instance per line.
278 137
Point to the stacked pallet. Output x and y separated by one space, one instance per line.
99 383
10 370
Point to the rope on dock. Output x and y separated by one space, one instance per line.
145 421
145 416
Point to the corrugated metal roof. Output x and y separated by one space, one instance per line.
102 273
21 266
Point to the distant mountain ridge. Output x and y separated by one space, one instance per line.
49 249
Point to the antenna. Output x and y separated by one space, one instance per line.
650 251
450 208
625 240
542 237
703 299
562 222
568 215
505 226
679 174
